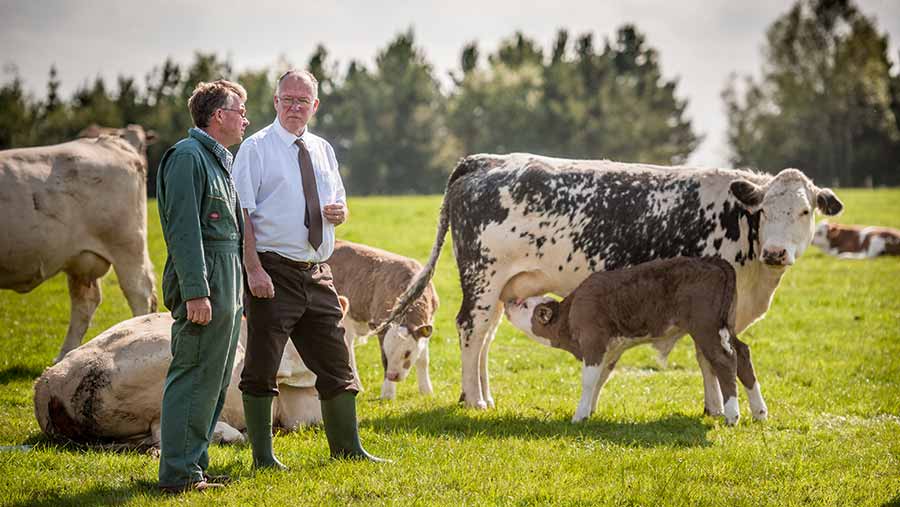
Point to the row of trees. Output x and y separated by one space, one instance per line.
827 102
394 129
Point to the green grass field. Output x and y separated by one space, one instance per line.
827 355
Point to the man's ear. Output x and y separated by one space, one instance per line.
828 203
423 331
747 193
543 313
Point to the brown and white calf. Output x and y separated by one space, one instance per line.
856 241
372 280
613 311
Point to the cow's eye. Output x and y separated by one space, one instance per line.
804 213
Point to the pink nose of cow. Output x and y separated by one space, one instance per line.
393 377
775 257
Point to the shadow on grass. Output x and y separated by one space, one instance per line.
20 372
117 495
893 502
674 430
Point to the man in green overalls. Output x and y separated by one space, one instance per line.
202 281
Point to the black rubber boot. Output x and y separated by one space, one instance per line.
258 414
339 416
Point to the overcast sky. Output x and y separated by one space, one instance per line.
700 42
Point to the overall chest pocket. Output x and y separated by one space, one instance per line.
218 218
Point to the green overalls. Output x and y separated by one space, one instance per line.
203 228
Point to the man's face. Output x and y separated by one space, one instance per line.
234 120
295 102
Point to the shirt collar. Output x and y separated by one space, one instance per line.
224 156
287 137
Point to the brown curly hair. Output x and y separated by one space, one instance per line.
207 97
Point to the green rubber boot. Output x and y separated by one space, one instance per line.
339 416
258 414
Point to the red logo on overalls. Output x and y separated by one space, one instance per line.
214 215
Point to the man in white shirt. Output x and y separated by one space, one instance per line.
289 186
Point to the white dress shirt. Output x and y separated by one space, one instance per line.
267 176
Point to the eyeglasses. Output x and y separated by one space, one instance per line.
295 101
241 112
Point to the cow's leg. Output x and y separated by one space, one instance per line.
478 317
747 375
422 374
83 272
226 434
493 323
717 347
137 280
350 342
594 374
713 404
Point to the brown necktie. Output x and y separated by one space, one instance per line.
311 193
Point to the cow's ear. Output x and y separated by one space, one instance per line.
749 194
423 331
543 313
345 304
828 203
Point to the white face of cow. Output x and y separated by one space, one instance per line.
820 238
520 312
788 204
401 349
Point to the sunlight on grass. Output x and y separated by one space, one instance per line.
826 355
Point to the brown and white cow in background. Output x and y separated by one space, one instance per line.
525 225
109 390
612 311
77 207
856 241
372 280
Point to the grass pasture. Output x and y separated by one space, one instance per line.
827 355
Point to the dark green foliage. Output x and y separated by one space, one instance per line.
394 128
826 103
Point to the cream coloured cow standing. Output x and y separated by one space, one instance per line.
77 207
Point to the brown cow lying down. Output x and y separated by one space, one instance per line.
613 311
109 390
856 241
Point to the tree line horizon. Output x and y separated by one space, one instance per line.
827 102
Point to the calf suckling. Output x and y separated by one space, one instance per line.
613 311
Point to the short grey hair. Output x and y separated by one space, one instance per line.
304 75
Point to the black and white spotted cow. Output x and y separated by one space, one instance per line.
524 225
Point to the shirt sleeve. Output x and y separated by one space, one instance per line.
185 181
247 173
339 194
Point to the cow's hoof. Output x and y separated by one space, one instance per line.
732 413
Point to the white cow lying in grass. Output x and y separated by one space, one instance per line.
109 390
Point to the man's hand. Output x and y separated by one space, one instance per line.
260 283
336 213
199 311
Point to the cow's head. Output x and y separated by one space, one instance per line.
400 348
786 204
533 315
822 236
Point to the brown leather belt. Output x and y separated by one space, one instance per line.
301 265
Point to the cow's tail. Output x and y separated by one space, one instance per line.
417 286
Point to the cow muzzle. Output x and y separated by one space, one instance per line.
777 257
